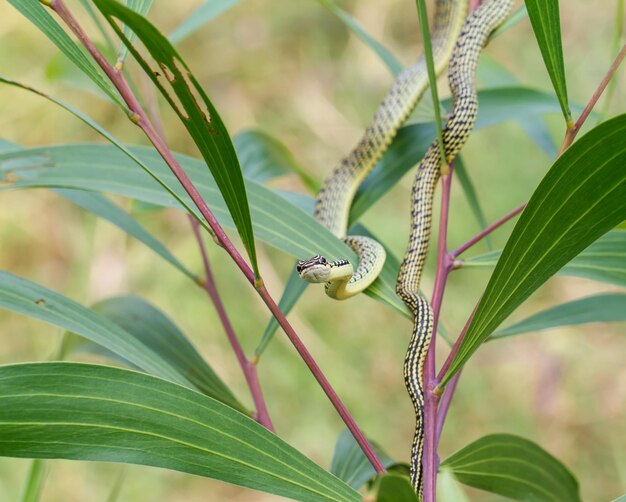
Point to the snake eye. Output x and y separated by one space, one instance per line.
322 261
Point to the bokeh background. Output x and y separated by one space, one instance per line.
292 69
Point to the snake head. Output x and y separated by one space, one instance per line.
316 269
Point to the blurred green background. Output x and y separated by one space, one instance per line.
292 69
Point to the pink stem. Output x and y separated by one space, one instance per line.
455 347
461 249
444 266
446 400
248 368
140 119
571 133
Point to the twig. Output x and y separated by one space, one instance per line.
464 247
139 118
431 400
446 400
248 368
571 133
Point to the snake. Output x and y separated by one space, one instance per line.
461 78
332 207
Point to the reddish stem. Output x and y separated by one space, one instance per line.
446 400
249 370
139 118
444 266
571 133
455 348
479 236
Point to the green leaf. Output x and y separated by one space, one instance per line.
513 467
27 298
350 463
105 209
470 195
602 261
89 412
448 488
432 77
620 499
263 158
395 488
171 75
207 11
140 7
154 329
36 14
34 482
294 287
407 149
599 308
104 168
390 61
87 120
546 23
514 19
493 74
582 197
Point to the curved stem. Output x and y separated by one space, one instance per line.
249 369
139 117
431 399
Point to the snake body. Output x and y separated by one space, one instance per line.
334 199
461 76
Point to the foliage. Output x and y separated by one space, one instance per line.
167 406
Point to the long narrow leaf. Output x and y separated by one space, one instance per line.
581 198
27 298
603 261
105 209
407 149
36 14
599 308
390 61
513 467
154 329
350 463
171 75
263 158
199 17
89 412
545 20
103 168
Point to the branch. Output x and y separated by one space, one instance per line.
431 399
571 133
479 236
248 368
138 117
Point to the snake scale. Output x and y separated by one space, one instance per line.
461 78
460 41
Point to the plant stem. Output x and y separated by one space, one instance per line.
431 399
139 117
446 400
432 78
479 236
571 133
249 370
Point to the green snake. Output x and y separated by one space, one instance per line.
334 199
336 195
461 76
